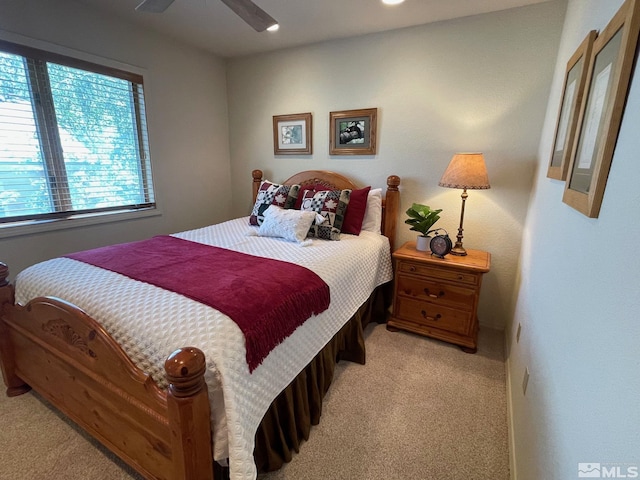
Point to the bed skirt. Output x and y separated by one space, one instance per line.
288 421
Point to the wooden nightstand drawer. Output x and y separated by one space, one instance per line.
443 273
435 292
438 297
428 314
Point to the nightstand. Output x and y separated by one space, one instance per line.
438 297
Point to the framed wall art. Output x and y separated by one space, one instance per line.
574 81
353 132
601 111
292 134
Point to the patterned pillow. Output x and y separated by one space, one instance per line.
272 194
331 204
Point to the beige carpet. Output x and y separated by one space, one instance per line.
419 409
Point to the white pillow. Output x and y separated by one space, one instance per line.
290 224
373 213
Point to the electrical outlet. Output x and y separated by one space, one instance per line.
518 333
525 381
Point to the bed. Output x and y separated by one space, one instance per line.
176 418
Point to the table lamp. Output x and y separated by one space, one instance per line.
465 171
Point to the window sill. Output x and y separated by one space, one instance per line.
17 229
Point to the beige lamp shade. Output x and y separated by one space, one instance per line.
466 171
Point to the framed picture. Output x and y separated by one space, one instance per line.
572 92
292 134
601 110
353 132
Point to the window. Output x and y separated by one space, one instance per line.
73 137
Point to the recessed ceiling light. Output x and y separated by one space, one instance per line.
392 2
274 28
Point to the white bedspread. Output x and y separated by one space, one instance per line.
150 323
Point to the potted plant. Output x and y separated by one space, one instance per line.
421 218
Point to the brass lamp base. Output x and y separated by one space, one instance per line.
458 250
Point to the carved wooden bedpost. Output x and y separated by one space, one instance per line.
15 385
392 202
257 179
6 289
189 414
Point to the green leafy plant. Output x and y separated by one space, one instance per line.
421 218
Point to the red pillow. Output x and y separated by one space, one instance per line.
355 211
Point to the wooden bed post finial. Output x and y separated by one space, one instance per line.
6 289
393 182
185 371
257 180
4 274
189 414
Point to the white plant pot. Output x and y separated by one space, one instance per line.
422 243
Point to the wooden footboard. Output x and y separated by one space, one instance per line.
63 354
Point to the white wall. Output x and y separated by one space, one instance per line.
578 303
186 113
474 84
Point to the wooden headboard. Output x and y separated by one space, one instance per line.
390 201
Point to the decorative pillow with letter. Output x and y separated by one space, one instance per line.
332 205
272 194
303 189
292 225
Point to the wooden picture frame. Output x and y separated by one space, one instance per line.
572 91
292 134
353 132
601 110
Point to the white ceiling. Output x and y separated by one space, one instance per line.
211 25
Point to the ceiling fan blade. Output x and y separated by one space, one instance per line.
251 13
154 6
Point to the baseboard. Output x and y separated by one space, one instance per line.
513 471
513 475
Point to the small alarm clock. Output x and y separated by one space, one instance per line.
440 244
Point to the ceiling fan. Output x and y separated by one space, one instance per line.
257 18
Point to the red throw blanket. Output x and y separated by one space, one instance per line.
268 299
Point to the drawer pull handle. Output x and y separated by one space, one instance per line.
412 268
432 319
433 295
460 277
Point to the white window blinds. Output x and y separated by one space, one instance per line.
73 137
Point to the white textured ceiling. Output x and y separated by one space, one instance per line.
211 25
